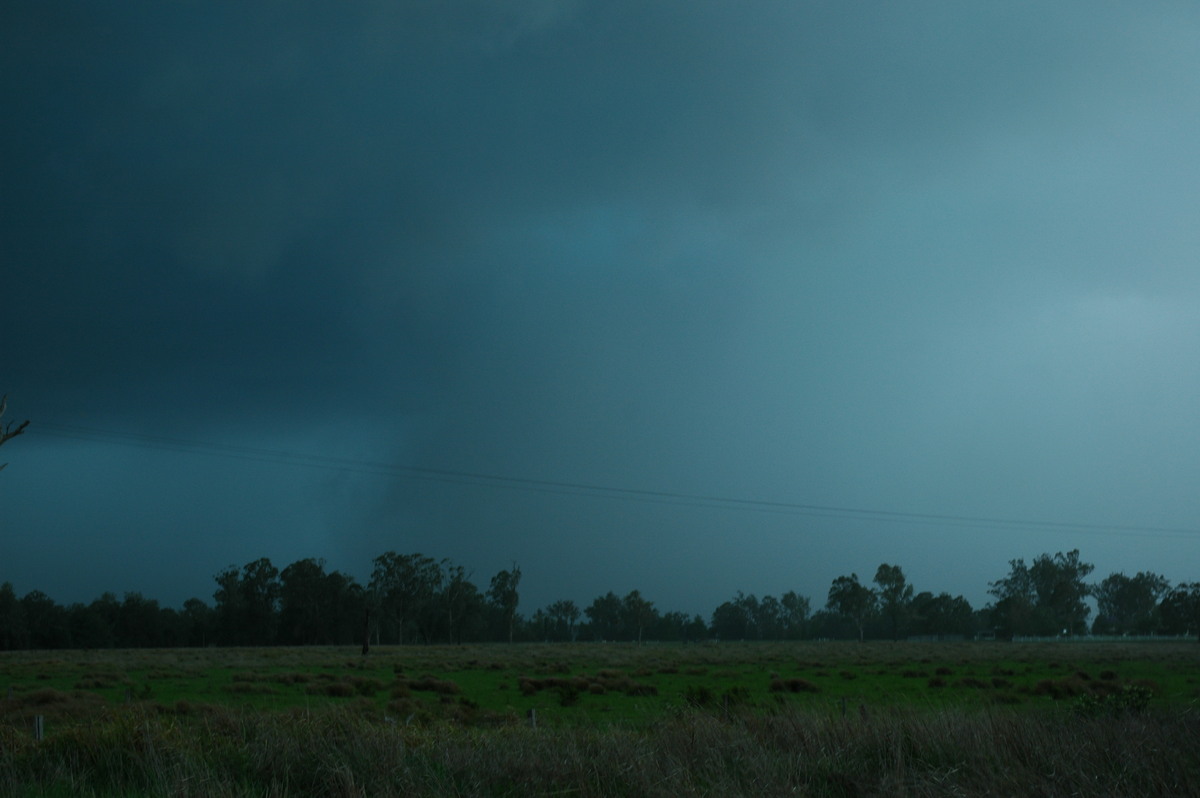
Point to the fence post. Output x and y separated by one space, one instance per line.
39 726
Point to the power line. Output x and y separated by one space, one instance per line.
713 501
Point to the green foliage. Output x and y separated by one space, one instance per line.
606 619
848 597
1129 605
1129 698
403 586
504 596
1180 609
941 615
895 597
1046 598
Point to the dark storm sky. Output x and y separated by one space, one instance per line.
929 258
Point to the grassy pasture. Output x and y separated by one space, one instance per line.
608 682
457 720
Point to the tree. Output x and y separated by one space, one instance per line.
768 619
1180 609
736 619
504 596
247 604
403 584
47 623
228 611
1013 611
680 627
1061 590
941 615
638 612
463 605
1128 604
796 610
139 622
7 432
13 633
1046 598
895 596
605 617
849 597
318 608
88 627
564 616
260 591
197 619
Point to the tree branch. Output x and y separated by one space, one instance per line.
7 432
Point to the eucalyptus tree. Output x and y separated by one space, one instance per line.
504 596
796 610
247 604
941 615
605 621
13 632
854 600
1061 590
318 607
402 587
736 619
1129 604
1045 598
462 603
895 596
1180 609
639 613
564 618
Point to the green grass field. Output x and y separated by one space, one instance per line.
253 721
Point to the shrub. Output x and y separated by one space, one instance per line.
366 686
1131 698
568 695
249 688
793 685
698 695
332 689
434 685
641 690
735 697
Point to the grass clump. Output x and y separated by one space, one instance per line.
359 750
793 685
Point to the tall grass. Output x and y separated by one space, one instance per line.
355 750
1003 720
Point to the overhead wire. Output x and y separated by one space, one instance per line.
676 498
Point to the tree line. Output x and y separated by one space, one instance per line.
415 599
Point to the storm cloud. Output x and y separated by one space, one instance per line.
928 258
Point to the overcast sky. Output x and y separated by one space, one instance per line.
927 258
